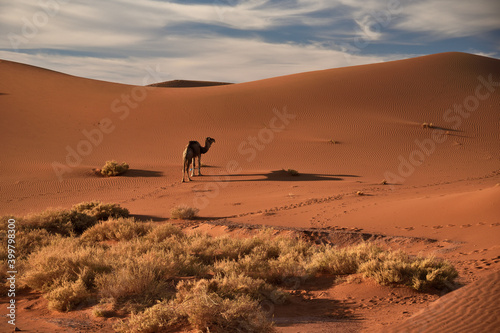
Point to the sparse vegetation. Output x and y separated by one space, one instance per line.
184 212
112 168
101 211
171 280
292 172
416 272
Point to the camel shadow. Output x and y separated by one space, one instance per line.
142 173
282 175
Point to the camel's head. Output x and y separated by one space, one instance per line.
209 140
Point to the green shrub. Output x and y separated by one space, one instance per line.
112 168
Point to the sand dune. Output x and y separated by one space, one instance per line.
344 130
473 308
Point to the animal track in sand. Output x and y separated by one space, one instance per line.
486 263
274 210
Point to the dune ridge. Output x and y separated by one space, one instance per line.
473 308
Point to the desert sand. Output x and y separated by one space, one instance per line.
368 166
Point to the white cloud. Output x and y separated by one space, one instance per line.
221 59
451 18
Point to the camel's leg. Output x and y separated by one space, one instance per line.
188 162
184 165
199 165
194 167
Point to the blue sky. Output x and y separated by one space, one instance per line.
237 41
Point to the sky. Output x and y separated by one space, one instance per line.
140 41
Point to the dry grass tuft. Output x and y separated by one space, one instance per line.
112 168
101 211
63 222
116 229
183 212
292 172
416 272
200 308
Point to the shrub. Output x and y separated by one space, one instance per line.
202 310
234 285
63 222
63 261
292 172
67 296
183 212
116 229
417 272
112 168
101 211
160 233
141 280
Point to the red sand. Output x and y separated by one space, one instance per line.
345 130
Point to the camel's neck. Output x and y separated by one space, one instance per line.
203 150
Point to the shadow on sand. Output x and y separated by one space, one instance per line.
280 175
146 218
142 173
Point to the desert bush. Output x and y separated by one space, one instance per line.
116 229
140 281
68 295
29 241
342 261
63 222
291 172
63 261
417 272
101 211
183 212
233 285
112 168
164 231
196 306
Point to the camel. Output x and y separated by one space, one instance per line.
193 150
